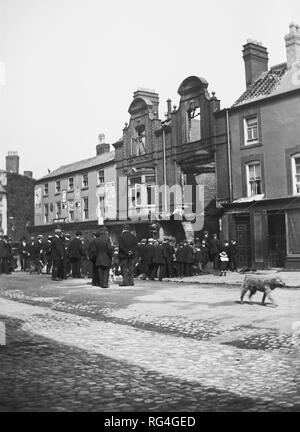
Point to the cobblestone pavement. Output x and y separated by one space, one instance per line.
157 347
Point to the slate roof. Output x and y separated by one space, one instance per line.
81 165
266 85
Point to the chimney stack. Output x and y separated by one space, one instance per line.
102 147
256 60
12 162
169 102
292 42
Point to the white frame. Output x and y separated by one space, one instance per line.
249 194
293 161
253 141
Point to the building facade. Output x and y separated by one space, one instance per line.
77 196
159 165
258 160
16 199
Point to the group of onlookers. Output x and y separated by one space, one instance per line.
149 259
163 258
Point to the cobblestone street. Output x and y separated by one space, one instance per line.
155 347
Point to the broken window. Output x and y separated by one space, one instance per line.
138 142
193 123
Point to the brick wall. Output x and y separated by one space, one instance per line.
20 205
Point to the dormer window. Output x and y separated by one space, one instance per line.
138 142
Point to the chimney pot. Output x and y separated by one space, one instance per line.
12 162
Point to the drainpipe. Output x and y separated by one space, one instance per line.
165 167
229 157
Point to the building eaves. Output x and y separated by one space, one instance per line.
82 165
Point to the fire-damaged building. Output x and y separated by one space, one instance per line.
160 164
258 160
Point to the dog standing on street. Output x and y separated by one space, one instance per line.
264 285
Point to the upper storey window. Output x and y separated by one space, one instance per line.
138 142
251 130
193 123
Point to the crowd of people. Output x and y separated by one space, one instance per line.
151 259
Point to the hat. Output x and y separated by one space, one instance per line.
125 228
58 231
78 233
151 240
50 237
67 235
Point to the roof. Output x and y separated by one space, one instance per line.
82 165
267 84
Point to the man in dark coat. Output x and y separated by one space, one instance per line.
180 257
148 257
23 254
75 254
158 262
104 251
34 255
143 265
57 255
92 254
233 255
188 258
168 252
214 250
127 254
4 255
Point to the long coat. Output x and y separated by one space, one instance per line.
75 249
127 245
104 251
158 255
57 248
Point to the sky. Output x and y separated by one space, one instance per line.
68 68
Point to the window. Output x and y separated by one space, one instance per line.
254 181
193 123
101 179
57 210
251 130
296 174
85 208
138 142
46 189
102 206
57 187
46 213
71 210
71 183
85 180
142 191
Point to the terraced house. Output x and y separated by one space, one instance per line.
258 159
75 196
